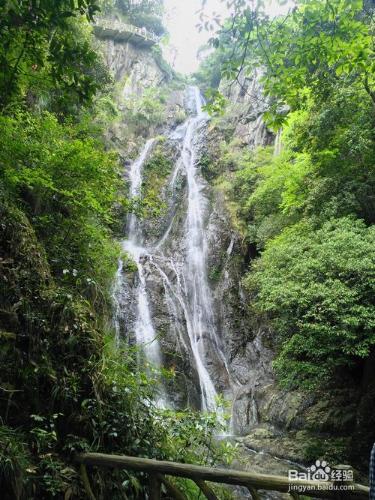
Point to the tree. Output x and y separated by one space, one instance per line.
143 13
42 41
315 47
317 287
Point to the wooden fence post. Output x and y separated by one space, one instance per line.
86 482
154 487
206 490
172 490
254 493
294 495
341 482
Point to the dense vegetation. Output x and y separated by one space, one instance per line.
64 386
142 13
309 211
307 215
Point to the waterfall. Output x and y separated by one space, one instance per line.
200 322
183 273
144 331
278 143
143 328
116 292
135 178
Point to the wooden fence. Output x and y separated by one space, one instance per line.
157 471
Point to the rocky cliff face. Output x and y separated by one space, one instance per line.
289 424
135 67
247 344
246 369
286 424
247 105
171 251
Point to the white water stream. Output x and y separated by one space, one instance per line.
143 329
184 274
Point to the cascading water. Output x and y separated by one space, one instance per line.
278 144
144 331
135 178
200 322
187 294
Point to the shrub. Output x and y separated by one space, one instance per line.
317 285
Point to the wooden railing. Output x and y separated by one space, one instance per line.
157 471
117 30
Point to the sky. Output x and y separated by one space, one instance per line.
181 18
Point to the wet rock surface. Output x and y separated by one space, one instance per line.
172 287
271 424
247 107
134 66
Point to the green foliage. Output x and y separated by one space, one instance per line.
33 151
147 111
209 74
216 102
332 44
96 399
259 184
69 185
251 196
14 460
129 265
324 173
180 117
151 22
155 173
136 424
317 285
310 209
144 13
170 74
214 273
316 48
44 48
45 325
